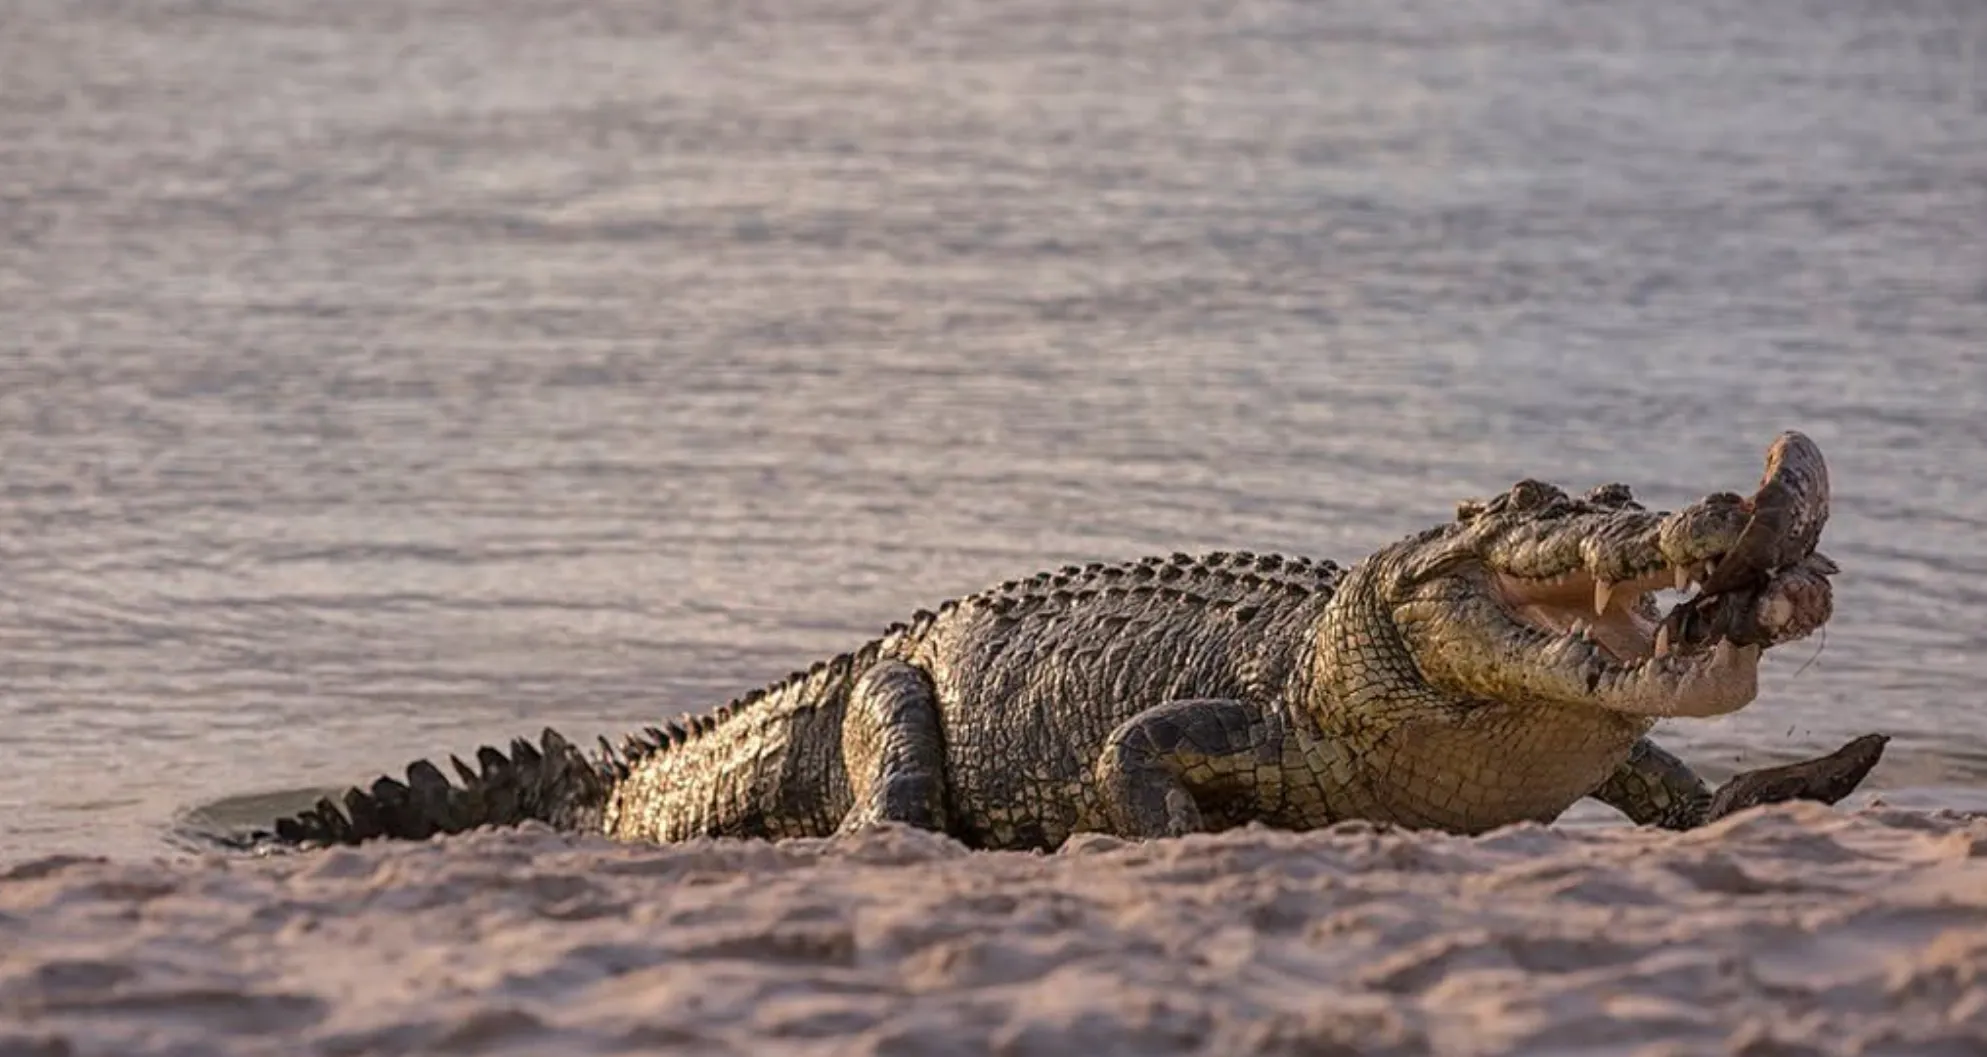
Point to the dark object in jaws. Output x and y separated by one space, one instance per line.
1786 608
1788 513
1772 587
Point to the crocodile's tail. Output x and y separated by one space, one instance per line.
552 782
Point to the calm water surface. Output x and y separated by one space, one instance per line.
381 378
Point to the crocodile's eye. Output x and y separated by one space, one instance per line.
1533 495
1612 495
1471 509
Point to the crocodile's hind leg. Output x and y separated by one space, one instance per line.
893 749
1653 787
1163 769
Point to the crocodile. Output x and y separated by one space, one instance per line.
1490 670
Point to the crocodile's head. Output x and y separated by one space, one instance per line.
1539 595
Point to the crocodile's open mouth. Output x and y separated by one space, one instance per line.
1621 617
1762 585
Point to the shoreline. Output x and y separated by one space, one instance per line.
1789 929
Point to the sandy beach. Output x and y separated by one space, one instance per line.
1790 930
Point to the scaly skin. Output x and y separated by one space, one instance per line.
1465 678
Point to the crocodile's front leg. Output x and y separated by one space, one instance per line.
1655 788
1163 772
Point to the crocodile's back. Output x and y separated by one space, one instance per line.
1033 675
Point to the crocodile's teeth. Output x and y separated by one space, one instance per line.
1603 591
1581 629
1683 577
1710 566
1663 641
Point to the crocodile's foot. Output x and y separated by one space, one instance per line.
1825 779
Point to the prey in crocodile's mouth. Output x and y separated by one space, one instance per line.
1620 617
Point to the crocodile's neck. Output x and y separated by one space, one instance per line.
1385 729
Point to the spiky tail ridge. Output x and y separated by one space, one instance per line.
551 782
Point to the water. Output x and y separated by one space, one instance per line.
381 378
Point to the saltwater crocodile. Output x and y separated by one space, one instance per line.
1494 669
